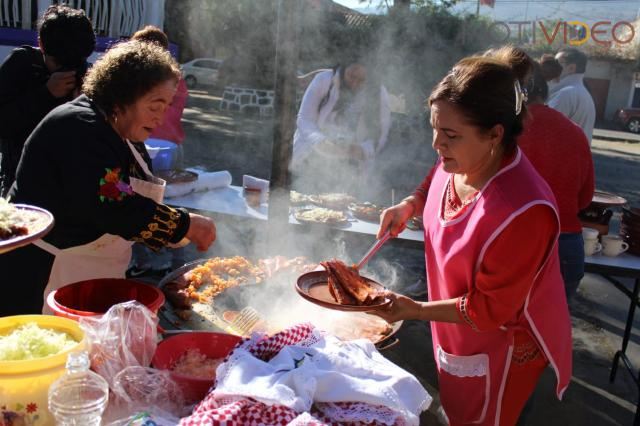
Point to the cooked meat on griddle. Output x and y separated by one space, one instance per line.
178 295
347 286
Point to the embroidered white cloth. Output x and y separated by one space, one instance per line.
205 182
302 377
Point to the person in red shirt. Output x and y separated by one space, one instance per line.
171 127
559 151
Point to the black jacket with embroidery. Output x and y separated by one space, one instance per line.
76 166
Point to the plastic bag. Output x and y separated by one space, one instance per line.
144 394
126 336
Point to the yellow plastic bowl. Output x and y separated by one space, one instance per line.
24 385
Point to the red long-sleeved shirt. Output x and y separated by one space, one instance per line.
559 151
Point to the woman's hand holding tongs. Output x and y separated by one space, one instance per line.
395 218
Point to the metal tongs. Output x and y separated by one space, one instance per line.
374 248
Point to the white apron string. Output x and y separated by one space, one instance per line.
47 247
139 159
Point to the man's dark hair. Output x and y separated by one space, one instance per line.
574 56
66 34
550 67
152 34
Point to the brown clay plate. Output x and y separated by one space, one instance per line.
607 199
366 211
177 176
415 223
38 221
313 287
336 201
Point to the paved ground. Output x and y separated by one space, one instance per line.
242 145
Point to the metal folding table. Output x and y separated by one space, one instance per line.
612 268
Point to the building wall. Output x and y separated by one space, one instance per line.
621 90
122 20
620 76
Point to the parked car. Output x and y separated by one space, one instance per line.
201 71
629 119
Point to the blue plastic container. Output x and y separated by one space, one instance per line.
163 153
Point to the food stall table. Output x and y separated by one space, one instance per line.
611 268
230 201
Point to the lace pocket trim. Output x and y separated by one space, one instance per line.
463 366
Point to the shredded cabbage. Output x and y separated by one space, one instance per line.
29 341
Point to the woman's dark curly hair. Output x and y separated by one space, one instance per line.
126 72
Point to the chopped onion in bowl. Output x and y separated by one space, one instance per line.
30 341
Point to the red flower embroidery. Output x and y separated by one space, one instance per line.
112 187
110 190
32 407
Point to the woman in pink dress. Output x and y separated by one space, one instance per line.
497 305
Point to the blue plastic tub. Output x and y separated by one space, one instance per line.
163 153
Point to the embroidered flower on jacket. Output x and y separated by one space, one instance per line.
112 187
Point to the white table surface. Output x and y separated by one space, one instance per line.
230 201
227 200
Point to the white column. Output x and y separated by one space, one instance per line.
154 13
115 15
42 6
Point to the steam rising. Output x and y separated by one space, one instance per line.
403 51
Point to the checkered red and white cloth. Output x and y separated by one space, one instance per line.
223 409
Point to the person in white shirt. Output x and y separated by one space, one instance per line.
343 122
569 95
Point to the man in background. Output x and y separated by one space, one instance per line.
569 95
33 81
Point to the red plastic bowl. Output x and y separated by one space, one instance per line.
95 297
211 344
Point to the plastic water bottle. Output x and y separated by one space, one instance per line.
80 396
